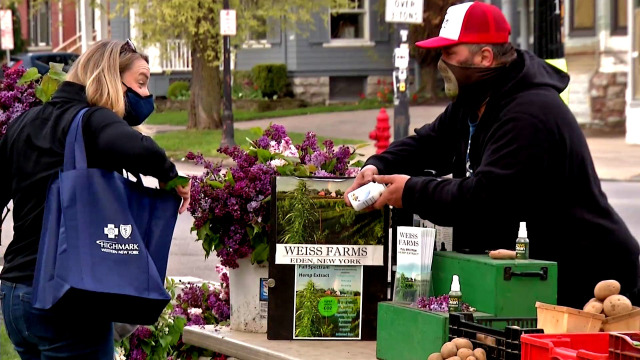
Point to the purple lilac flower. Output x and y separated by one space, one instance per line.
191 296
143 332
342 160
322 173
196 319
263 142
438 304
219 307
275 132
138 354
352 172
14 99
318 159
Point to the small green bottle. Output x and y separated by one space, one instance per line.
455 296
522 243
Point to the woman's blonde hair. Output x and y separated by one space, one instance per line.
100 70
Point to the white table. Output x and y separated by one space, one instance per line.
249 346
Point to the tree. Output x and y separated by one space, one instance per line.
433 14
197 22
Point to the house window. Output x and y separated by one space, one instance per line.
346 88
40 26
583 17
257 34
349 22
619 17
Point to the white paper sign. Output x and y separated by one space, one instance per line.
311 254
404 11
227 22
6 29
401 57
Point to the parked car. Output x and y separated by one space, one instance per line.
41 60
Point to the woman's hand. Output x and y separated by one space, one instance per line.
185 194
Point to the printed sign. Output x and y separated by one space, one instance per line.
329 254
327 302
6 29
264 289
227 22
401 55
404 11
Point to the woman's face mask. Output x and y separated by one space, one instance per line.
137 107
468 85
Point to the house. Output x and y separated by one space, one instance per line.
59 26
340 55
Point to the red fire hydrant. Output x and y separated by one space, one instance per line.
381 133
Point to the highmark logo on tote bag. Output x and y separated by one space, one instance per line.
118 248
105 241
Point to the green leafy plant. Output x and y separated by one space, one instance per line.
308 317
300 222
179 90
271 79
48 83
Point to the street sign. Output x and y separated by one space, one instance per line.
6 29
404 11
227 22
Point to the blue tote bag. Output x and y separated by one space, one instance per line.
105 241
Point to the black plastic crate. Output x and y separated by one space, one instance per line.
507 347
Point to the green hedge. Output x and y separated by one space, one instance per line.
178 90
271 79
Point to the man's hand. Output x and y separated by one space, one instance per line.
393 194
185 194
364 177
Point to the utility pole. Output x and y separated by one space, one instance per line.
402 13
227 30
547 33
401 97
547 36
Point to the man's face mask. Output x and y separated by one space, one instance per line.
137 107
468 85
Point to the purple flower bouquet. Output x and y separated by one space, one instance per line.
230 207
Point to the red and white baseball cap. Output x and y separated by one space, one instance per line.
470 23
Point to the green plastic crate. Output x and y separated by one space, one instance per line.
407 333
505 288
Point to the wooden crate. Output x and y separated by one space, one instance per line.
560 319
625 322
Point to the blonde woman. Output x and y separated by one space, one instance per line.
112 79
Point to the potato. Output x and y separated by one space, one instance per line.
462 343
479 354
454 358
435 356
472 358
448 350
464 353
606 288
617 305
594 307
490 340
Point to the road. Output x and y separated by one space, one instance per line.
186 258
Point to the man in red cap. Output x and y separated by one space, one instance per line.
515 153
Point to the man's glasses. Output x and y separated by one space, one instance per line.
128 46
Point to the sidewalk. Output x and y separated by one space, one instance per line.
614 159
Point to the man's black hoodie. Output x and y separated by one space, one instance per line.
531 163
32 153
